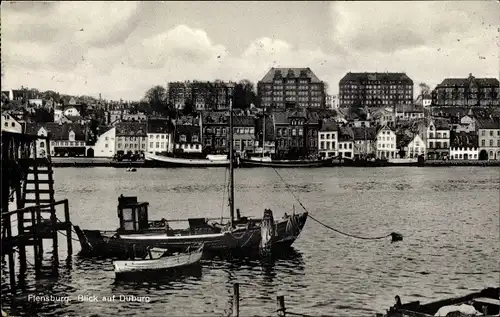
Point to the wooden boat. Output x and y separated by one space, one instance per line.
137 233
483 303
284 163
209 161
159 259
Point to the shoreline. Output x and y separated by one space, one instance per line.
105 162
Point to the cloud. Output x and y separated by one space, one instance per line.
115 55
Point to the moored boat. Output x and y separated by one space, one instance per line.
159 259
483 303
284 163
170 161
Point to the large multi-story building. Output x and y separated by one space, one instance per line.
489 139
202 95
375 89
291 88
471 91
131 137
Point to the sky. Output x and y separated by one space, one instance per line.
121 49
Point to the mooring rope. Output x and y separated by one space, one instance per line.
395 236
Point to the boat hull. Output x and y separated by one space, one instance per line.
163 263
285 163
160 160
109 243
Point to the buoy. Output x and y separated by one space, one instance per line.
396 237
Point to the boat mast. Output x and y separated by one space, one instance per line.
231 159
264 134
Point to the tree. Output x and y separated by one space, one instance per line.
156 97
244 94
424 89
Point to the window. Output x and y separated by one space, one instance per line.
106 145
491 132
182 138
6 124
157 145
150 144
491 142
483 142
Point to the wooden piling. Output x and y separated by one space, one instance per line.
55 249
68 228
280 301
236 300
36 249
22 244
12 268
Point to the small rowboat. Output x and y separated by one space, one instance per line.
159 259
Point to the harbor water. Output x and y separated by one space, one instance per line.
449 218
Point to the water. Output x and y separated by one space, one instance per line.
449 218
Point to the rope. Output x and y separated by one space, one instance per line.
395 236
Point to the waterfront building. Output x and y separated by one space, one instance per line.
386 143
375 89
65 139
489 138
188 132
437 139
328 139
215 127
469 91
244 134
364 141
10 124
285 88
160 139
464 146
105 145
345 142
131 137
410 146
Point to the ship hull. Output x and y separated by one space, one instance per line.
285 163
167 161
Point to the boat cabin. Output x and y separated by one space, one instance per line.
133 215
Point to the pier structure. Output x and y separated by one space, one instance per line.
27 180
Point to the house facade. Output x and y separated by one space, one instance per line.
10 124
364 141
489 139
345 142
386 143
416 147
328 139
160 138
215 126
437 140
65 139
105 145
244 134
464 146
188 138
131 138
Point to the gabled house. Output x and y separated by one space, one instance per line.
346 142
415 147
244 134
188 135
386 143
65 139
131 138
105 145
215 127
437 139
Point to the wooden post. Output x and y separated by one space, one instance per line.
236 300
55 249
68 228
22 244
36 249
281 306
12 267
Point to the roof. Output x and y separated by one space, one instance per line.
131 128
359 133
402 140
409 108
345 134
493 123
243 121
216 117
290 73
187 120
464 139
329 125
367 77
481 82
158 126
188 131
58 131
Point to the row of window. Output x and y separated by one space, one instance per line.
131 138
483 132
383 146
292 132
383 138
327 145
483 143
378 96
327 136
438 145
130 145
444 135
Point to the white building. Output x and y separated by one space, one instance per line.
10 124
385 143
332 102
416 147
464 146
105 145
328 139
160 137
